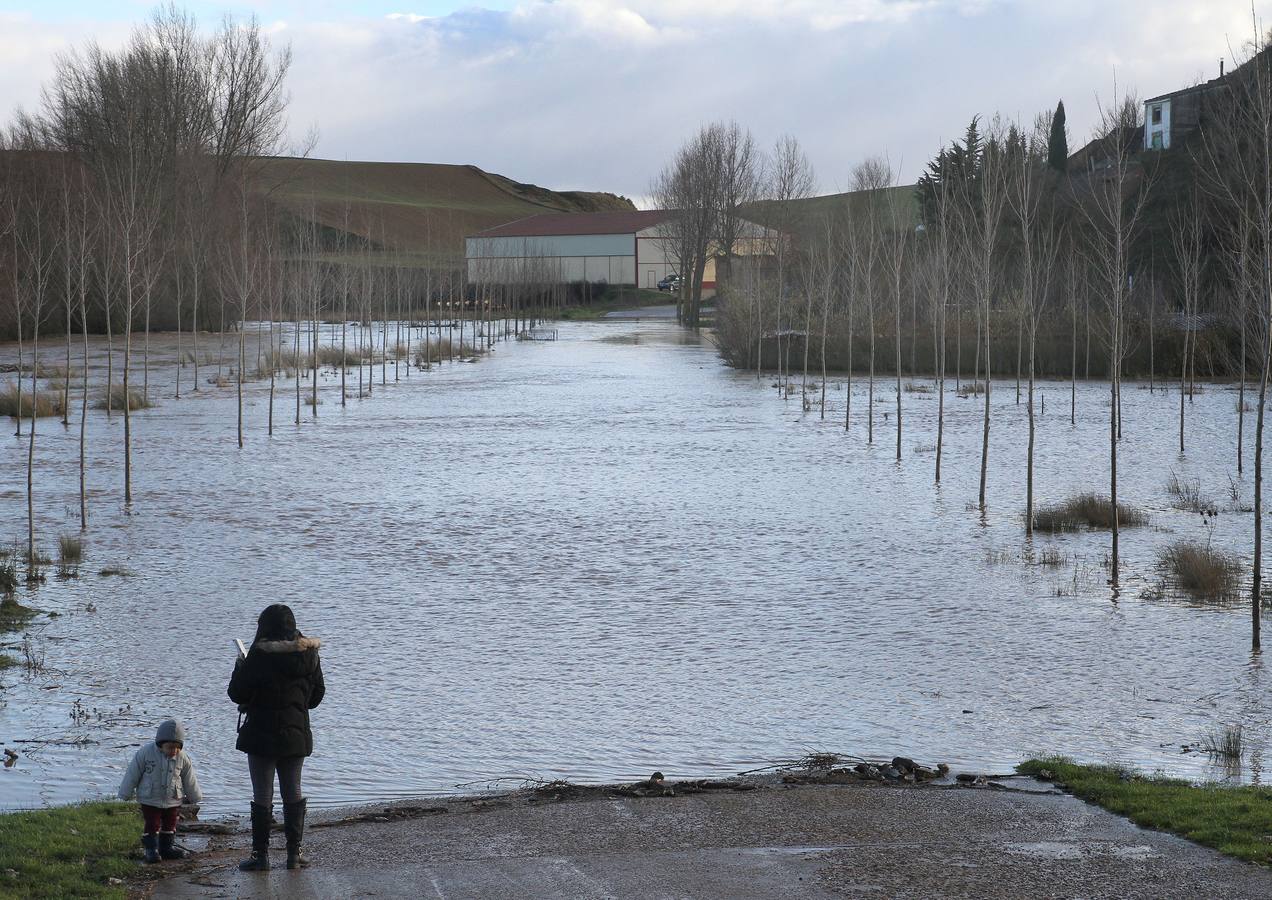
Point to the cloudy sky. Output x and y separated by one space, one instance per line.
596 94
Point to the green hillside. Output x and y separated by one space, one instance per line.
421 210
901 202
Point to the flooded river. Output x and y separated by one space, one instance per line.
609 554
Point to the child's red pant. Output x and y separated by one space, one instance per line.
159 818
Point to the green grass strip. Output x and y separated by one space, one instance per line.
613 299
1233 820
69 851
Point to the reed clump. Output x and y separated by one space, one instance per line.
47 403
446 348
336 358
70 549
136 399
1186 495
1201 570
13 615
1227 742
285 361
1087 510
1051 557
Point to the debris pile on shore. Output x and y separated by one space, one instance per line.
832 768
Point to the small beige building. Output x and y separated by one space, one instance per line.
627 248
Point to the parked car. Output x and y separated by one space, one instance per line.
670 283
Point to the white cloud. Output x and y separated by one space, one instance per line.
597 94
28 50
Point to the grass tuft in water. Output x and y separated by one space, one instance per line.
1087 510
70 548
1052 558
13 615
8 577
1200 570
1227 742
47 403
136 399
335 358
1186 495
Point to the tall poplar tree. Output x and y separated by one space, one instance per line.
1058 142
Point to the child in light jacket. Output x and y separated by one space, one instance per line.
162 777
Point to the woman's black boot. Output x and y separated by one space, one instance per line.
262 818
294 828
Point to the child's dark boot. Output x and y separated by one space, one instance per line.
168 848
150 844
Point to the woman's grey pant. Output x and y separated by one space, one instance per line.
262 769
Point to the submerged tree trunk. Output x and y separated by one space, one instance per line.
848 387
83 494
1183 378
194 322
984 467
897 328
127 397
1241 402
1020 327
1115 369
242 359
1073 371
1256 588
1029 466
177 372
32 559
940 390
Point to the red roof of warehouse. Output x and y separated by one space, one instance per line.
549 224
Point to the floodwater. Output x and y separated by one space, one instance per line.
609 554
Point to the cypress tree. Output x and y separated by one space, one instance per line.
1058 143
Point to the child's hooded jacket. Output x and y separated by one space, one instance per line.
157 779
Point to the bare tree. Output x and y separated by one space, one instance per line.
980 215
1030 185
898 240
1186 242
1113 206
870 180
791 180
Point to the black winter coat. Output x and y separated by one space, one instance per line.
277 684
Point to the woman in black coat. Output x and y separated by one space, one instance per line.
275 686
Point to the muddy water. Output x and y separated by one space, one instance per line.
610 554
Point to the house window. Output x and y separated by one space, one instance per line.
1157 140
1157 115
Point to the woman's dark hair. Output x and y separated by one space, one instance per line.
276 623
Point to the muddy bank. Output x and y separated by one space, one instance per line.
769 835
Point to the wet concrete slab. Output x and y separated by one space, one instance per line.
806 841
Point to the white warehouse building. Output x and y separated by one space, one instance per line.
625 248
